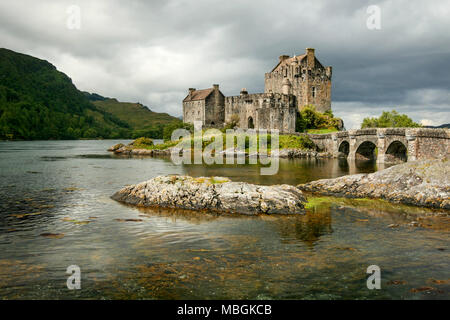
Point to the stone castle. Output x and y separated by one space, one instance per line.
293 83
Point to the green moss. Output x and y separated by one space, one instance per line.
216 180
211 180
363 204
200 180
314 202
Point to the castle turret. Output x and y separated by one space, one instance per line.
286 86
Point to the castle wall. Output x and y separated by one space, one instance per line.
194 111
265 111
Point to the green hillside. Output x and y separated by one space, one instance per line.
39 102
141 119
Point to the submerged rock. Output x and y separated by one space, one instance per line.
302 153
216 194
423 183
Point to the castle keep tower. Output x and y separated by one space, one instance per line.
309 80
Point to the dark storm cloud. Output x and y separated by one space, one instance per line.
151 51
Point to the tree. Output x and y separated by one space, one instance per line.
389 119
168 129
310 118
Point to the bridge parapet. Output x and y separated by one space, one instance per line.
393 144
427 143
393 131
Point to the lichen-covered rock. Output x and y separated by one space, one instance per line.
216 194
423 183
116 147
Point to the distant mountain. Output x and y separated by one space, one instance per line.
442 126
93 96
141 119
39 102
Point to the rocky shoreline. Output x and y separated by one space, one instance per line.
423 183
121 149
216 194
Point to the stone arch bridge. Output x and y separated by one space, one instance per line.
386 144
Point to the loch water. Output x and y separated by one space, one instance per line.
56 211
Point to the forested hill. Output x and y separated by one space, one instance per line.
39 102
141 119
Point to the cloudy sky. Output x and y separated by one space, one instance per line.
152 51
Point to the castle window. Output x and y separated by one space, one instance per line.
313 92
285 72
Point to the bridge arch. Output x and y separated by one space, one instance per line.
396 152
366 151
344 149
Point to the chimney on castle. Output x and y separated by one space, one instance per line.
283 57
216 87
310 57
329 71
191 90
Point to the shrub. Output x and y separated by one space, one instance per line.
309 118
143 141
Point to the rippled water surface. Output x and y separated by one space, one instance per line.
55 211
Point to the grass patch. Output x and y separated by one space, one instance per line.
296 142
322 131
161 146
285 142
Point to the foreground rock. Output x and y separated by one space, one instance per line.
215 194
423 183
